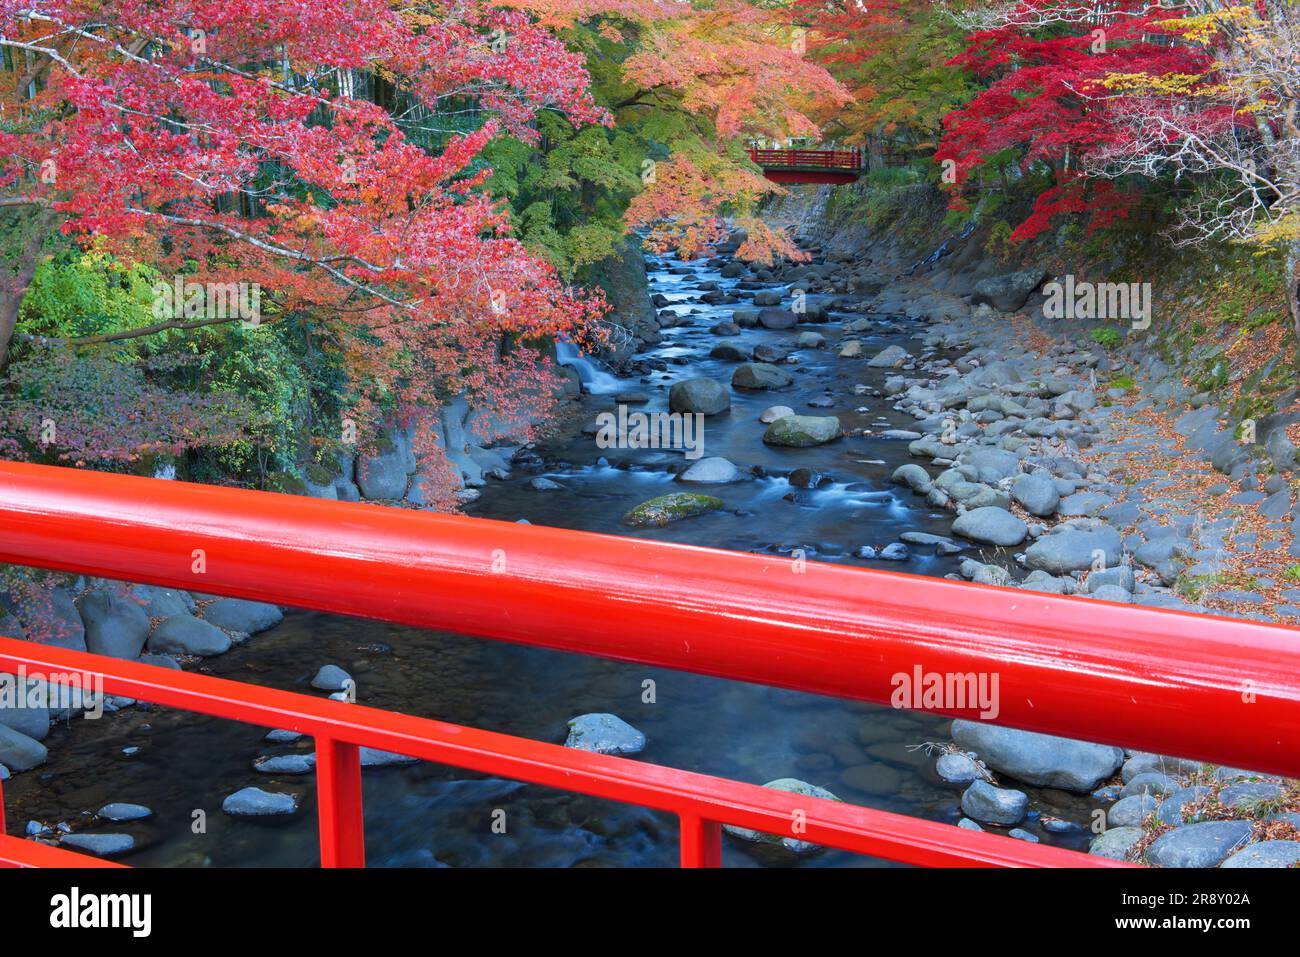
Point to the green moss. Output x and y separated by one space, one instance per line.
285 482
667 509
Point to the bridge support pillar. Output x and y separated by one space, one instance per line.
338 794
701 842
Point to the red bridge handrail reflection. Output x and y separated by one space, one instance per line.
1215 689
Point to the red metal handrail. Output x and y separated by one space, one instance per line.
805 159
701 802
1210 688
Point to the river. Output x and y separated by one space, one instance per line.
180 764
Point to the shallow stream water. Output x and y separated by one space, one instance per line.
182 765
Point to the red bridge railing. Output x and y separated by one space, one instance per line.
809 159
1209 688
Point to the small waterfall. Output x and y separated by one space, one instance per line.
594 379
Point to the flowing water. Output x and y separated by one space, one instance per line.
182 765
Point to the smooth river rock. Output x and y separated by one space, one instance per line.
666 509
604 733
706 396
990 525
802 431
1039 759
992 805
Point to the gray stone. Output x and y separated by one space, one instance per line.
706 396
957 769
1039 759
163 602
256 803
101 845
374 758
1131 811
1036 493
1266 854
1198 845
891 357
15 712
124 812
1008 292
1249 794
1150 782
913 476
992 465
1074 550
792 844
331 678
755 376
774 318
1020 834
246 617
183 635
604 733
1172 806
384 473
18 752
991 525
711 470
1111 593
802 431
991 805
285 764
1116 842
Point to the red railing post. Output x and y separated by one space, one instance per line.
338 793
701 842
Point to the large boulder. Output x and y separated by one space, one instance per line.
1037 494
667 509
802 431
383 473
116 625
891 357
183 635
246 617
773 318
1010 291
1198 845
760 375
992 465
1043 760
18 752
706 396
1075 549
712 470
16 713
54 620
990 525
163 602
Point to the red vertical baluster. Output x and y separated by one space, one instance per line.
701 842
338 787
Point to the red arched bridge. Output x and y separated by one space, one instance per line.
1164 681
810 166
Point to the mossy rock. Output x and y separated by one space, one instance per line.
318 474
667 509
285 482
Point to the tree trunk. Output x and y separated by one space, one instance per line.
17 276
1293 285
